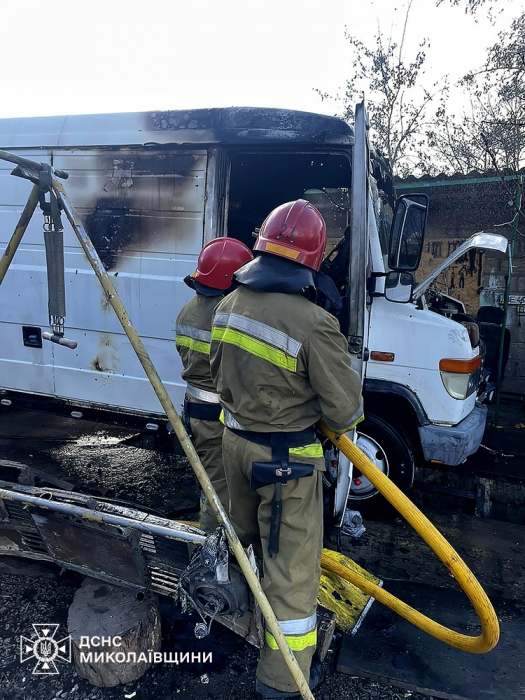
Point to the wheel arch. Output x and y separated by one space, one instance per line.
386 399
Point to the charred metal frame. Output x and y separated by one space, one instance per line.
128 547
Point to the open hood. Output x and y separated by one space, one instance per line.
489 241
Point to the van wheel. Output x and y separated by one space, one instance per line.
388 447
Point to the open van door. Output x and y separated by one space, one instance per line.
357 275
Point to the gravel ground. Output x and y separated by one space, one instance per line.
27 600
96 461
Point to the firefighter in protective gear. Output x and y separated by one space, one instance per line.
280 363
217 262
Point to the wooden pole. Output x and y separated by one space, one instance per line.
185 441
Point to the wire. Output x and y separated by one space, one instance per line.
502 454
339 206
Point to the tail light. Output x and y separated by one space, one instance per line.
460 377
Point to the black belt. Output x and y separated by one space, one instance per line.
202 411
279 471
296 439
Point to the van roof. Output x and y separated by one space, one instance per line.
234 125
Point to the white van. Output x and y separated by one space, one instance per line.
152 188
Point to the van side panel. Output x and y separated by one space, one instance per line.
144 211
23 294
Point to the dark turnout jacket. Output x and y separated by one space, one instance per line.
280 363
193 337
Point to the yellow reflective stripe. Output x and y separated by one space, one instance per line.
255 347
296 643
313 450
359 420
350 427
281 250
256 329
197 345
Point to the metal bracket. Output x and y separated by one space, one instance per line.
355 344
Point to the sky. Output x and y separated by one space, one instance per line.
89 56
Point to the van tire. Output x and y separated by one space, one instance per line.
394 442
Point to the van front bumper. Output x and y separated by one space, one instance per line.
453 444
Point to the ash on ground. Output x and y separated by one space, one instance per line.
26 600
101 462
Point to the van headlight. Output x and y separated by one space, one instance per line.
460 377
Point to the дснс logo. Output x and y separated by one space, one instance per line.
45 649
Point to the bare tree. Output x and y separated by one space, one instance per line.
491 131
396 95
491 135
470 5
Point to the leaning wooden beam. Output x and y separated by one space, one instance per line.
187 445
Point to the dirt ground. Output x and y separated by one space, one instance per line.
27 600
98 461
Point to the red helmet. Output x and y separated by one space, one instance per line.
218 260
295 230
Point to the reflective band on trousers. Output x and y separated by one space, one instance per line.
300 626
193 338
202 394
257 338
296 643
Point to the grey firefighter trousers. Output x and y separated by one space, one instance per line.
291 579
207 440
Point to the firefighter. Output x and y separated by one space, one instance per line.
280 363
217 262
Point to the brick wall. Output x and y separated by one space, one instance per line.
459 207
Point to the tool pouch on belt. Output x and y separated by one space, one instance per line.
279 472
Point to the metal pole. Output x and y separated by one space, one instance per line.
185 441
514 226
20 229
97 516
31 164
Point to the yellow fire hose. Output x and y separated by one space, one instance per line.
489 636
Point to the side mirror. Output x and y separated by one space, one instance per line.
408 232
399 287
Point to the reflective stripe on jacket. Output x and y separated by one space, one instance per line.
280 363
193 336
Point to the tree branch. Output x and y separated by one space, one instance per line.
510 195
